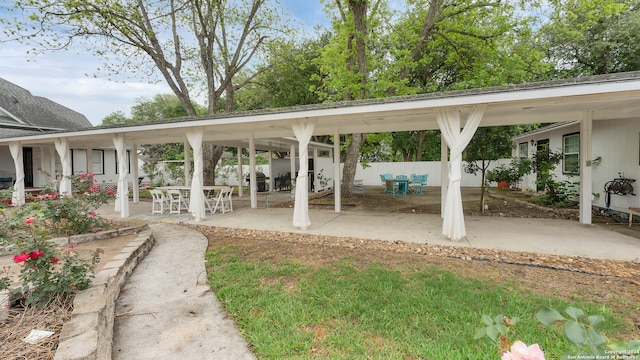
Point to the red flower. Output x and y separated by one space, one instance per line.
110 192
52 196
21 258
93 214
35 254
29 221
94 188
54 259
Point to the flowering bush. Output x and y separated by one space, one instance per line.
47 270
579 329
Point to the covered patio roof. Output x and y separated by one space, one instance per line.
586 99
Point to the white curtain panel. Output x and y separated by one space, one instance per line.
303 132
453 225
122 197
17 198
62 148
196 197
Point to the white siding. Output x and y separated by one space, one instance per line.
617 142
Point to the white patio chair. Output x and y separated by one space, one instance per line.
159 201
227 202
223 201
211 199
175 201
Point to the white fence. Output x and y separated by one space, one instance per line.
371 174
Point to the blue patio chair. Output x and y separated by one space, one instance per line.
384 178
402 187
420 181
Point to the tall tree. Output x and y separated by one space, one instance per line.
347 61
590 37
194 45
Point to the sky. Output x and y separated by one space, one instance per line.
67 77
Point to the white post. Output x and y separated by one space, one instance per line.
134 172
253 184
444 174
240 177
586 153
271 175
316 188
187 163
337 179
292 155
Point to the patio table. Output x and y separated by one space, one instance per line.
403 185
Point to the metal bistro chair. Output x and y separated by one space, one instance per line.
402 186
384 178
420 182
159 201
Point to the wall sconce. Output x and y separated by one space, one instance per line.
533 142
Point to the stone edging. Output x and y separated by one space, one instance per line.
89 332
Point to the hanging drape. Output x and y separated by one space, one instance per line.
17 198
122 197
196 195
62 148
449 122
303 132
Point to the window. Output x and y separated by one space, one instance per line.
523 150
97 163
571 153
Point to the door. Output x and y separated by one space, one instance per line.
27 162
543 154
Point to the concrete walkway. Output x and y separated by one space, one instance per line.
166 310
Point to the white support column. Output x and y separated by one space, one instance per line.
292 156
253 184
122 197
444 174
187 163
337 179
316 188
586 154
17 198
134 172
240 175
271 175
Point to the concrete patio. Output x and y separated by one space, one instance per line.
546 236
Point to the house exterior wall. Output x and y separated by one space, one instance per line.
616 143
109 176
47 167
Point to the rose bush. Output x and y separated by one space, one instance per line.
48 271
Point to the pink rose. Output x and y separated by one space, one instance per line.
520 351
35 254
93 214
21 258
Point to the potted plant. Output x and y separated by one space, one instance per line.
510 175
501 175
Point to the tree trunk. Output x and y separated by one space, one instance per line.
420 145
350 163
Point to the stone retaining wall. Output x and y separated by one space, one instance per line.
89 332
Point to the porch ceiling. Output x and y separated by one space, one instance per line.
611 97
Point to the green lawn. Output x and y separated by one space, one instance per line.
342 311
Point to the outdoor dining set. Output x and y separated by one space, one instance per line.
176 199
401 184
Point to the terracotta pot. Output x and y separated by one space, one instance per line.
503 184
